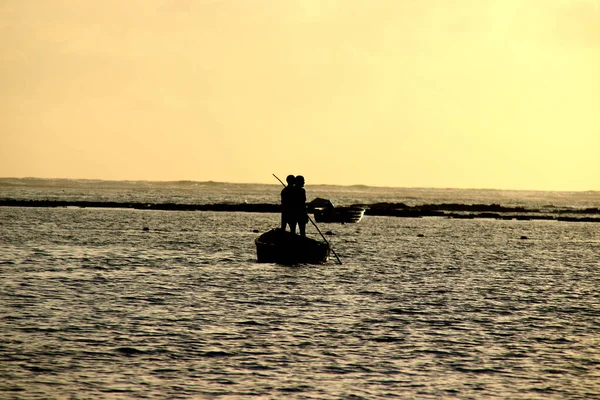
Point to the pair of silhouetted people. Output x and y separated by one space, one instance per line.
293 205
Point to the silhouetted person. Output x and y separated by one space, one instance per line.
287 205
299 205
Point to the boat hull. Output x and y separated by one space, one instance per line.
339 214
277 246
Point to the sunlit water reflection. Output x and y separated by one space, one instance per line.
93 306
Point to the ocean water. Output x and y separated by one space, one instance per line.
94 306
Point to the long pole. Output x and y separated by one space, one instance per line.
315 225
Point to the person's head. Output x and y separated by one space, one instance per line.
291 179
300 180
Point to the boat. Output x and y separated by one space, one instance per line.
352 214
325 211
283 247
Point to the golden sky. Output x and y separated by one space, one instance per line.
411 93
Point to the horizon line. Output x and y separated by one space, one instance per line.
311 184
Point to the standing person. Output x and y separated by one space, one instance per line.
287 205
299 205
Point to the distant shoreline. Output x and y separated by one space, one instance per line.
446 210
36 182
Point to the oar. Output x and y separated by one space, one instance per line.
315 225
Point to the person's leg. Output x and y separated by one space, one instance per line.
302 227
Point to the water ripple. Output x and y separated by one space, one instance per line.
100 310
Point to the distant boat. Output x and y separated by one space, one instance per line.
325 211
351 214
277 246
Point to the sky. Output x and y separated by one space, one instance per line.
499 94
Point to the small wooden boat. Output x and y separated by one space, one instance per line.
282 247
325 211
